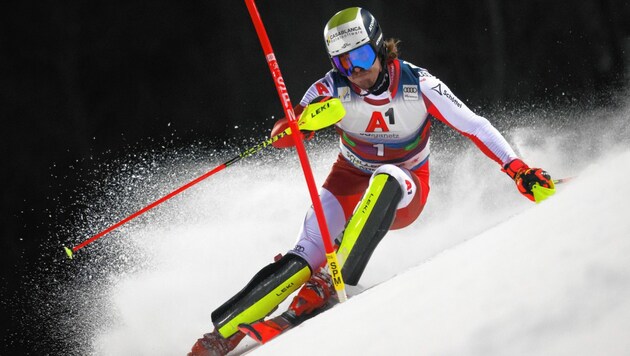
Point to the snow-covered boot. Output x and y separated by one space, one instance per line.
213 344
317 294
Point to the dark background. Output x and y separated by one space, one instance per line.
84 81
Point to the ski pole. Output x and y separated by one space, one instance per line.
281 88
246 153
562 180
315 117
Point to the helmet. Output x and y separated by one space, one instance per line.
351 29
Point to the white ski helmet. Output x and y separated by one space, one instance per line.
349 30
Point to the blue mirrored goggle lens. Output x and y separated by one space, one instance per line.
362 57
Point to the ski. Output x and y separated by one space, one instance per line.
264 331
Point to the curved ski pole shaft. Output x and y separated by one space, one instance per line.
281 88
255 149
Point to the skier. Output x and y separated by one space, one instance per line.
381 173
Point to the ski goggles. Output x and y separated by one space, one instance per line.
362 57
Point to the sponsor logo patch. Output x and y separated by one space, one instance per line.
446 93
410 92
438 88
343 33
344 94
409 187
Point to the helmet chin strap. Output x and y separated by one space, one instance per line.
382 82
380 85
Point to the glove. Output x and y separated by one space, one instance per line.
321 112
287 141
533 183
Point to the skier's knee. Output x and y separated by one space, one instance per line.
368 225
404 179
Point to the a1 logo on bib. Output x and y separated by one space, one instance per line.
410 92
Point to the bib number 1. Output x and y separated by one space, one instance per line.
380 149
378 123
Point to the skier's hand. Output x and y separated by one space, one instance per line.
287 141
321 112
534 183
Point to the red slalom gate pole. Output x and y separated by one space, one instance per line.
331 256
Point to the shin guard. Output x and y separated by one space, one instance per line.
269 287
367 226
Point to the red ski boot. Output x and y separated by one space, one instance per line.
317 294
213 344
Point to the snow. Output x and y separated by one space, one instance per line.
553 280
482 272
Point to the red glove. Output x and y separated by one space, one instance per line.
533 183
281 125
320 113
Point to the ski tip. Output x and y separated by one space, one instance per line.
68 252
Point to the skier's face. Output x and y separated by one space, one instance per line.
366 78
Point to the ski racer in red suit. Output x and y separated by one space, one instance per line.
383 163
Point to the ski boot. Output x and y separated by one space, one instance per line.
213 344
317 295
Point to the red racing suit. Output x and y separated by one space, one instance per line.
391 128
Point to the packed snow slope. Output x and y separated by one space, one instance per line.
482 272
552 280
